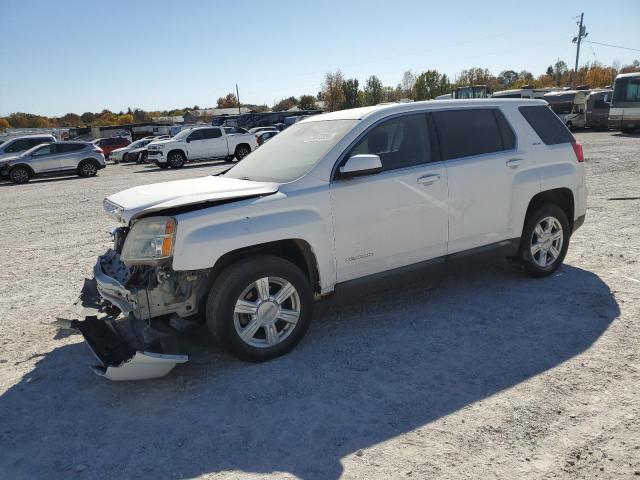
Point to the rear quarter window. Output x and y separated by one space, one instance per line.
546 124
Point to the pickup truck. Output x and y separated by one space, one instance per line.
200 143
332 199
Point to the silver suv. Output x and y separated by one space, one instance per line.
82 158
10 147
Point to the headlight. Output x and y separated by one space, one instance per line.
149 240
113 209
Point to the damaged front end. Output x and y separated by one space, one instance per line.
131 315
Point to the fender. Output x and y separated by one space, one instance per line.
203 236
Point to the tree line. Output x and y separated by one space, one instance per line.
338 92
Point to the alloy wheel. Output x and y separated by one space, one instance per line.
546 241
267 312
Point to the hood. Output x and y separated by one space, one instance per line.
130 203
9 158
121 149
161 142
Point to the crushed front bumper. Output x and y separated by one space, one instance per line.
127 347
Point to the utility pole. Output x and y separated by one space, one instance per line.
582 33
238 97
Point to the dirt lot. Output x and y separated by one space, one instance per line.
479 372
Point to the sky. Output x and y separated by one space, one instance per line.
78 55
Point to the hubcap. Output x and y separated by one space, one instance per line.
266 312
88 169
242 153
546 242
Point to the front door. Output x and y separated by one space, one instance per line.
397 217
45 159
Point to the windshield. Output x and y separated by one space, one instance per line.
183 134
137 143
292 153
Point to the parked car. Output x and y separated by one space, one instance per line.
201 143
334 198
258 130
82 158
131 152
108 145
13 146
265 136
598 104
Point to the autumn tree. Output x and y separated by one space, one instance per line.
230 101
373 93
332 92
285 104
508 77
634 67
4 124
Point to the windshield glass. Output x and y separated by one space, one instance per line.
183 134
292 153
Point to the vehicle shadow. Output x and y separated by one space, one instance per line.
37 180
372 367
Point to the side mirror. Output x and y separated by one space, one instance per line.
188 140
358 165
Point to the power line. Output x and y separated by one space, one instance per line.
614 46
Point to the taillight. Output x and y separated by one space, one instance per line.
577 149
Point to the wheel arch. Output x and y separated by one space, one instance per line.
178 150
243 144
295 250
25 165
562 197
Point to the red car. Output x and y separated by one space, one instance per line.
109 144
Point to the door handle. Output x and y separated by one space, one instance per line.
429 179
514 162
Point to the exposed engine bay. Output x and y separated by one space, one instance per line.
131 317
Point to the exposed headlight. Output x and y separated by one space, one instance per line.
149 240
113 209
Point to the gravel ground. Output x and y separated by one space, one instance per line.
478 372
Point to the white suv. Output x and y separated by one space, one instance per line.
333 198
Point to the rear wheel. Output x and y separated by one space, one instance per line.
87 168
142 158
19 174
242 151
260 308
176 159
545 240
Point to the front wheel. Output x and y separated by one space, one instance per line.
260 308
545 240
176 159
19 174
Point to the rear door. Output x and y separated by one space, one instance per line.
215 142
482 158
69 154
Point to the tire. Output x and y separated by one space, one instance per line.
19 174
125 157
267 334
176 159
242 151
545 240
142 158
87 168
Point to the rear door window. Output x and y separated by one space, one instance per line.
466 133
546 124
68 147
211 133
